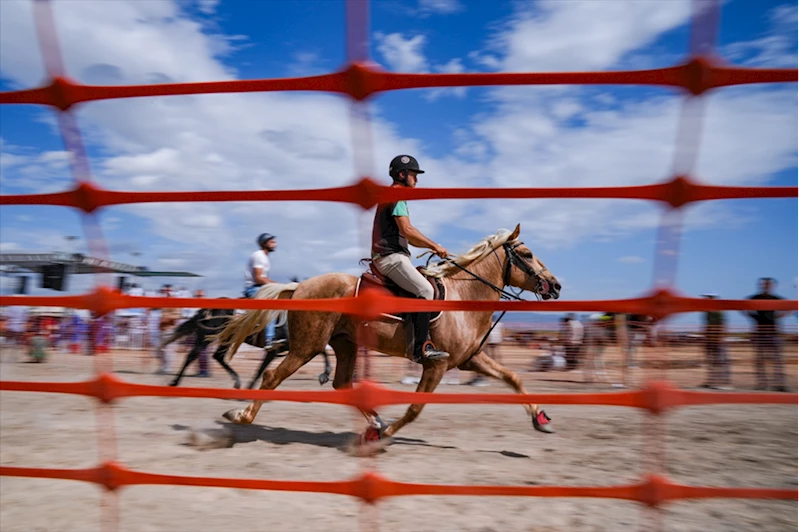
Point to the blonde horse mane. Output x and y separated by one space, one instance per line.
254 321
480 250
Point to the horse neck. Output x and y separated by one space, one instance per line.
488 268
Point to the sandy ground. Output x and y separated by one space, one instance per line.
448 444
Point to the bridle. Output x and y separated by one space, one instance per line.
512 258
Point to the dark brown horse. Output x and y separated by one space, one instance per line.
482 273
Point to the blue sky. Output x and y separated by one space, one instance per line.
491 136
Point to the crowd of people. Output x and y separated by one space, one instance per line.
582 343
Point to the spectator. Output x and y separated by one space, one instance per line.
17 325
574 333
718 363
631 333
767 339
169 318
596 337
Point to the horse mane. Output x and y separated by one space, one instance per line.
477 252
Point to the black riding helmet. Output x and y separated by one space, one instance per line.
263 238
403 162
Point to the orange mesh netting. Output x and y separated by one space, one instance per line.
359 81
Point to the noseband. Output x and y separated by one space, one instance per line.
513 259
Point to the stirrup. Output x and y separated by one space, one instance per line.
429 352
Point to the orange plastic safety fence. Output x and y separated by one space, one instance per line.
360 80
657 397
660 303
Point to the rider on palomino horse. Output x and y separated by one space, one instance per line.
499 263
391 234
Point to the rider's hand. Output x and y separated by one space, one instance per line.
441 251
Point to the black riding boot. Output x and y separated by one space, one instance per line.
423 348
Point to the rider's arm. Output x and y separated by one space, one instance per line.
259 277
414 236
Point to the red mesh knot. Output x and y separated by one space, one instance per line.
698 75
112 476
88 197
366 193
656 490
362 80
371 487
659 396
104 300
64 93
679 191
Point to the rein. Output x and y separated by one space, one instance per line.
512 260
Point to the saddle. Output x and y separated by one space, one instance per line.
372 279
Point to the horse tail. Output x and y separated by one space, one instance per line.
241 326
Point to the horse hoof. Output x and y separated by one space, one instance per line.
234 416
542 423
369 443
323 378
173 383
237 385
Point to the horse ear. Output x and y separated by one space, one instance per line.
515 234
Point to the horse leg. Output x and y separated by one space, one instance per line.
219 356
193 355
431 377
272 379
325 375
346 357
269 356
485 365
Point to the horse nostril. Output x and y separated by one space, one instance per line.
557 286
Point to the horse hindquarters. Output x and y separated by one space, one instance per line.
310 333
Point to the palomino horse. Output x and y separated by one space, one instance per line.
482 273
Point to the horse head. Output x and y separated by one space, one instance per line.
524 270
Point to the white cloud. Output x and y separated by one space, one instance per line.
552 35
559 136
305 63
207 7
776 48
24 168
631 259
442 7
401 54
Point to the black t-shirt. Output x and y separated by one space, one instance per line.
386 236
764 318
